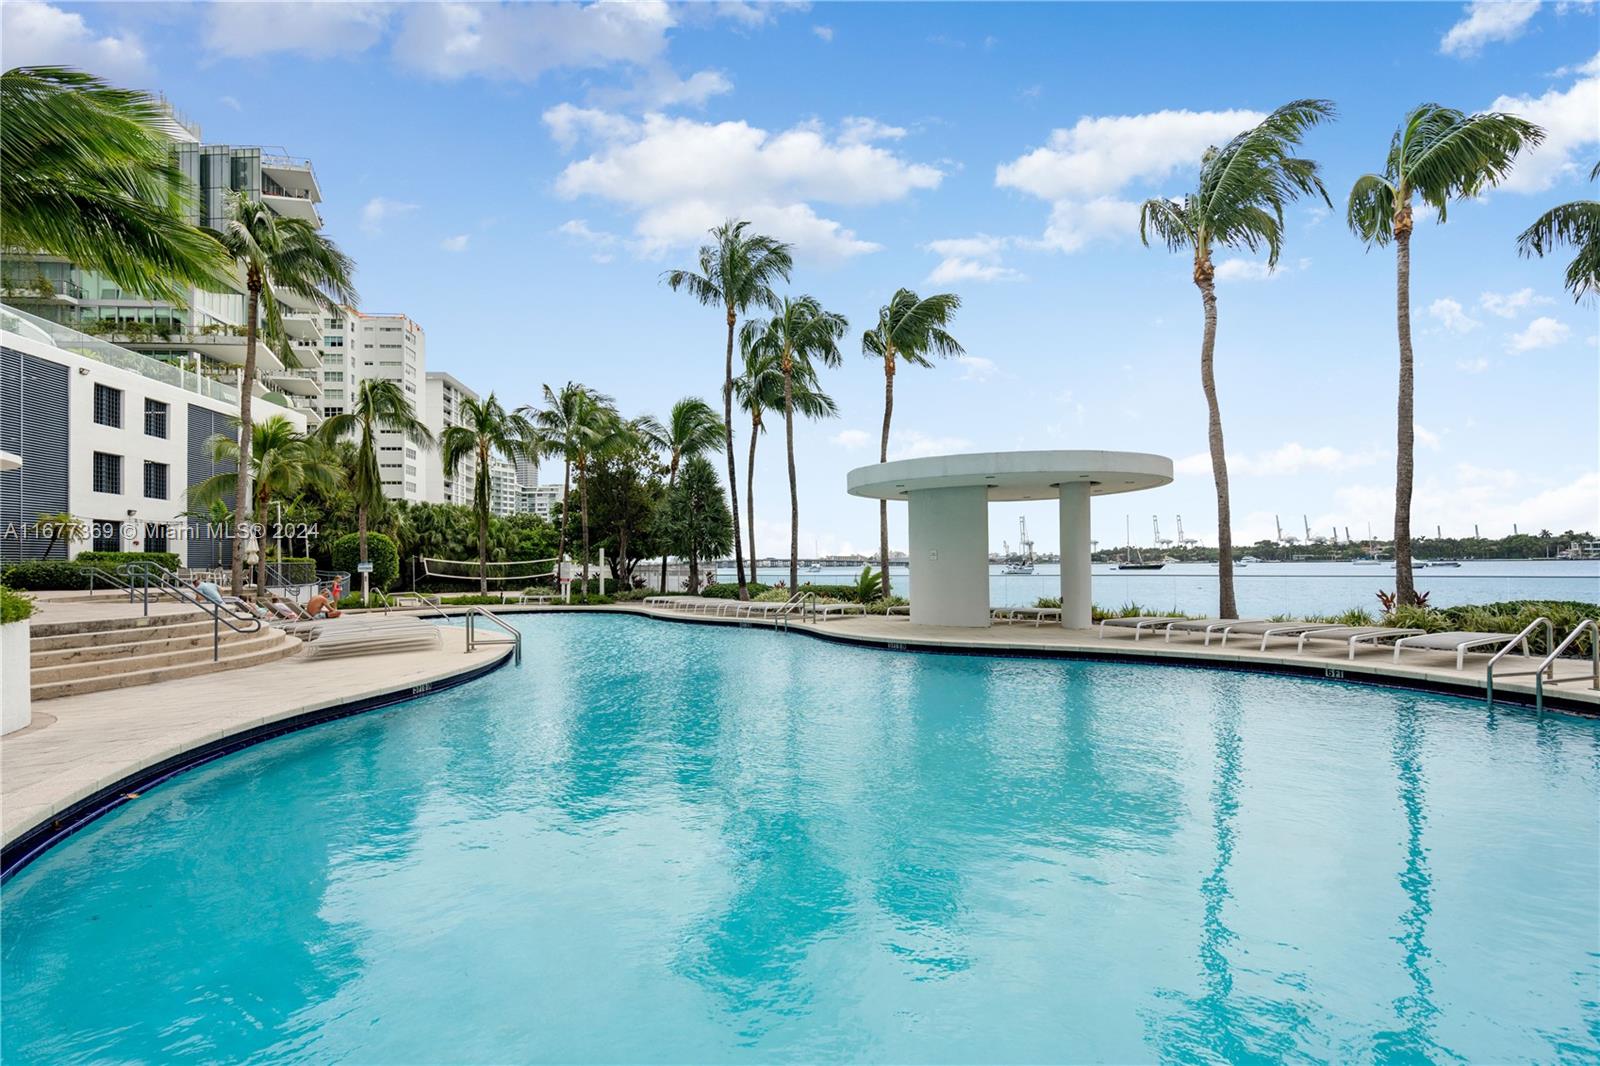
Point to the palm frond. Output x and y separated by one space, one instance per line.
1577 224
1370 213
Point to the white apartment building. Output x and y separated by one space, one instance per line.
442 410
540 499
111 437
505 494
392 346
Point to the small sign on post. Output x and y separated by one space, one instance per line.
364 568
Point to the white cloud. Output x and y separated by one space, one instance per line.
1509 304
825 32
519 42
230 102
910 444
601 243
851 438
1543 332
35 34
1291 458
1467 495
976 368
660 88
1472 366
1452 316
683 176
856 129
1425 437
458 243
1571 132
1235 269
379 210
1487 21
970 259
312 29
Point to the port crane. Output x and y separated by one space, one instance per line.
1161 542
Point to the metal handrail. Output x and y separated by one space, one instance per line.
798 602
153 575
473 640
1520 639
1550 660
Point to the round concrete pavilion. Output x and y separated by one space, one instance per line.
948 497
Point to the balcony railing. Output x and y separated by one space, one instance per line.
103 351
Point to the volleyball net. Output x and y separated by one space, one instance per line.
524 571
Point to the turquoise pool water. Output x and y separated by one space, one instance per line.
664 842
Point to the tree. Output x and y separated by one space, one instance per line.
1437 155
1577 224
487 429
275 253
561 428
90 177
698 522
626 492
692 428
61 525
801 336
910 328
736 273
588 425
283 463
1238 201
379 404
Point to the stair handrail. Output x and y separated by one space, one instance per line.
801 601
1550 660
157 577
474 612
1520 640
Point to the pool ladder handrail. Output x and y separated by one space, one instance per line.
475 612
1549 662
801 601
1519 641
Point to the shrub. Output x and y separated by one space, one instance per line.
298 570
110 561
1512 616
14 607
595 600
381 554
844 593
869 585
728 591
38 576
882 606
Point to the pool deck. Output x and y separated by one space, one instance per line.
77 747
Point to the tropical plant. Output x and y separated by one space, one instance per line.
562 424
61 526
1577 224
802 337
1237 202
90 177
692 428
379 405
487 429
910 328
282 462
869 585
698 523
737 272
1437 155
275 254
379 550
626 491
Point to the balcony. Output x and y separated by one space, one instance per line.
289 176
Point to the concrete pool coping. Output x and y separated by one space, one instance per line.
86 755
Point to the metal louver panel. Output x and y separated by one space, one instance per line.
204 547
33 424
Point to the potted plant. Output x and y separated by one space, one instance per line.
16 709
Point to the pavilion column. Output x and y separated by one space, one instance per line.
1077 595
949 556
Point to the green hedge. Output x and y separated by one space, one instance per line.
381 554
297 569
41 576
731 592
110 561
1508 616
14 607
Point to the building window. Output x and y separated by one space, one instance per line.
155 480
107 472
108 406
155 537
107 534
155 419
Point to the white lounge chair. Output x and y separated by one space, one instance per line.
1139 623
1208 626
1023 614
1267 630
1354 635
824 611
897 609
1459 642
371 637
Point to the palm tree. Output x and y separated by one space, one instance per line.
487 429
380 404
283 463
802 335
1577 224
62 526
910 328
693 428
736 273
1238 201
1437 155
90 177
562 426
275 253
598 430
759 389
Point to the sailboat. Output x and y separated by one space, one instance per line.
1023 565
1133 560
815 567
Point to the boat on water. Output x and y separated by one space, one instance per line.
1022 564
1132 560
1445 562
814 568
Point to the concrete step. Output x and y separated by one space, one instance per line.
145 659
131 672
125 631
157 641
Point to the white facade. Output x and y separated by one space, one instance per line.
540 499
393 347
505 494
442 410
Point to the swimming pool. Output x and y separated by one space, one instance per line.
662 841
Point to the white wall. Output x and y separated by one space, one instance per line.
950 556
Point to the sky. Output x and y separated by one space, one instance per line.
516 178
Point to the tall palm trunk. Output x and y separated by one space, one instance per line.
241 486
261 563
1405 591
794 491
1205 279
672 479
883 457
480 493
583 496
566 512
733 476
750 488
361 529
